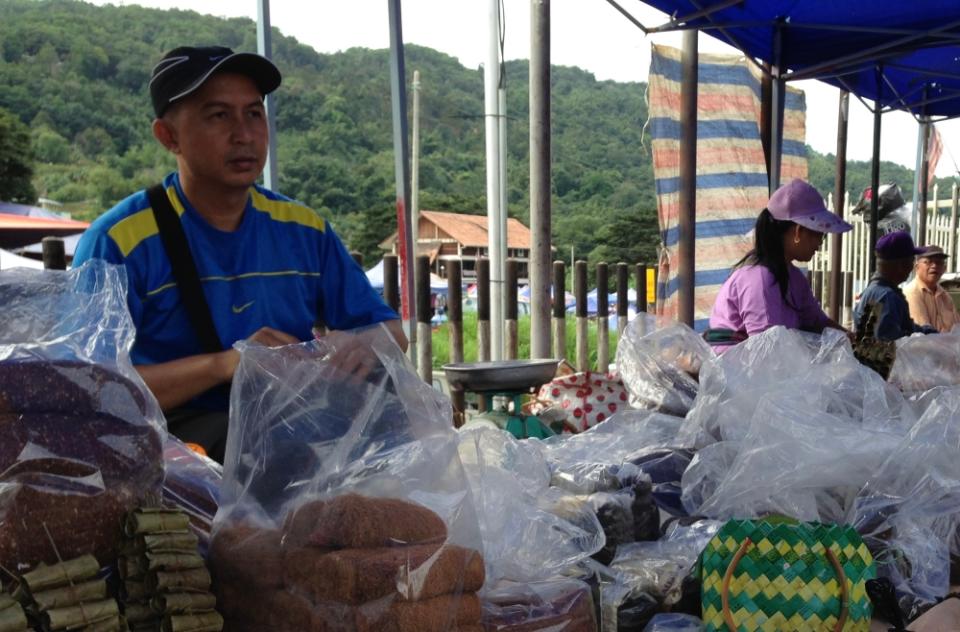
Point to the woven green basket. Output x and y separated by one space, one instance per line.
781 577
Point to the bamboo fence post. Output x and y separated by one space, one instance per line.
483 310
391 282
510 333
424 313
603 317
583 328
560 309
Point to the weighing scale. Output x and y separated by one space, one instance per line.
508 380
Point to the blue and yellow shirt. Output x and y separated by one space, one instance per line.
283 267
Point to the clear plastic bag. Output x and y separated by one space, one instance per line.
909 510
609 456
192 483
780 362
557 605
344 503
793 461
659 364
926 362
530 531
648 577
81 433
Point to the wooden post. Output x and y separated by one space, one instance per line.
510 332
953 228
455 333
640 277
848 300
483 310
424 313
623 304
603 317
583 330
391 282
54 254
840 183
559 309
454 310
358 257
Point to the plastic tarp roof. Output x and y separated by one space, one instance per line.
916 43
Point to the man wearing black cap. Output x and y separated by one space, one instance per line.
929 303
895 254
213 258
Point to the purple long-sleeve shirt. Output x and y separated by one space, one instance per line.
750 302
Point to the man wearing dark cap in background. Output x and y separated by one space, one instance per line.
895 255
929 303
211 257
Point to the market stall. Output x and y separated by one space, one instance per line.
784 485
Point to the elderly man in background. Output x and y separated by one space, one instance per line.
929 303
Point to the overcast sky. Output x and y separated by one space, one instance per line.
590 34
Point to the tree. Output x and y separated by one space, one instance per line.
16 160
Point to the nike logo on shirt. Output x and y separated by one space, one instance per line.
237 310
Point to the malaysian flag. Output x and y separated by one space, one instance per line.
934 149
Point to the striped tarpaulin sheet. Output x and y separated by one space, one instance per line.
731 171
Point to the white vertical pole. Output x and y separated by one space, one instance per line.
502 248
265 48
415 169
491 74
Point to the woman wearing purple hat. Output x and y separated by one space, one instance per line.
766 289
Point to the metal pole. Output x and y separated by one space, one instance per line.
921 234
777 91
415 169
874 184
916 178
491 74
502 245
265 47
540 254
840 185
401 162
688 177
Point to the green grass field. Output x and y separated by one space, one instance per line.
441 340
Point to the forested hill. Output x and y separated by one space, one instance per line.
73 80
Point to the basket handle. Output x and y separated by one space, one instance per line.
731 569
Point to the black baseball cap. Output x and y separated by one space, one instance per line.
183 70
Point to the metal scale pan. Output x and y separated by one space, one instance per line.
502 376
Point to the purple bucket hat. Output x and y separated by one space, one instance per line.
798 202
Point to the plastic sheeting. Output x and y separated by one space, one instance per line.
926 362
659 364
909 509
530 531
344 502
818 373
81 433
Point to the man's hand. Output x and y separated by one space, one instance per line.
267 336
352 356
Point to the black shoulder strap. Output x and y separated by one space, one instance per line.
184 269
